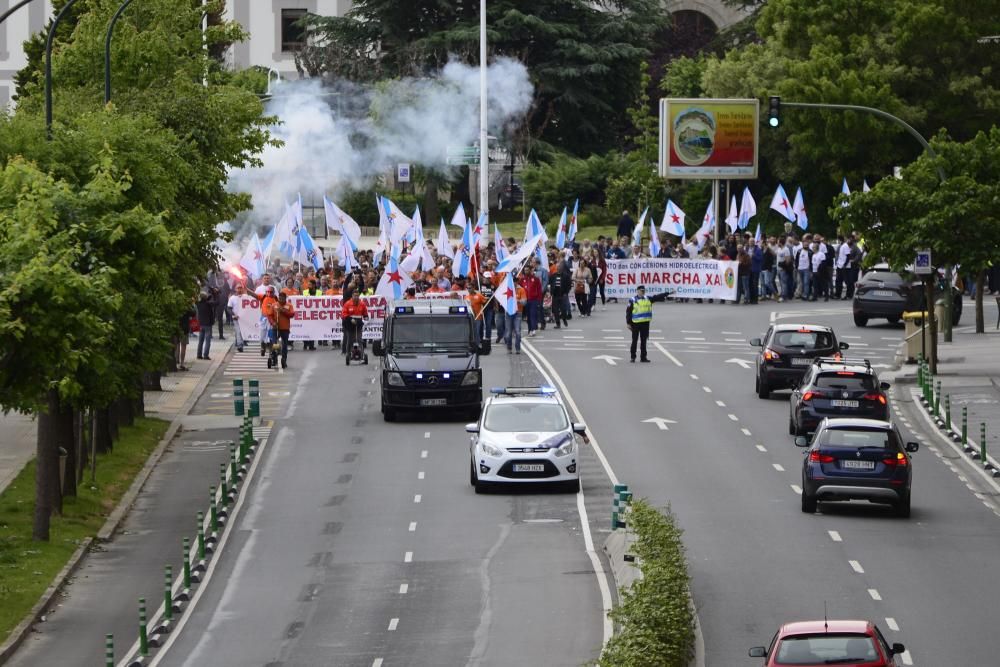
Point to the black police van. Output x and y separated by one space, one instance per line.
430 358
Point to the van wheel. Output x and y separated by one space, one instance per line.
388 414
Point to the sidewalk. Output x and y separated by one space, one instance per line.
18 432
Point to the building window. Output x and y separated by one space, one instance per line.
292 34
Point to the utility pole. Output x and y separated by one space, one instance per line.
484 146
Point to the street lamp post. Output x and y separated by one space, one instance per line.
107 50
48 67
484 146
3 17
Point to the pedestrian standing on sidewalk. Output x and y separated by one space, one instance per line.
233 308
638 315
206 318
183 336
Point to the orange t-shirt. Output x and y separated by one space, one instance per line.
333 291
350 310
283 315
477 301
290 291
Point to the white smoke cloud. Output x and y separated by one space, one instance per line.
338 135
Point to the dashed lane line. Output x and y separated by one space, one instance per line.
761 448
856 566
747 432
423 454
417 498
874 594
413 526
693 376
890 623
778 467
797 489
669 356
733 417
420 475
720 404
408 557
403 588
393 624
835 536
707 390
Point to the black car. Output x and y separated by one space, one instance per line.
857 459
836 388
511 196
430 358
884 293
787 350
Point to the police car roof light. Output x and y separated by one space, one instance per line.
523 391
457 309
404 310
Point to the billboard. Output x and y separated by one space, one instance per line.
708 138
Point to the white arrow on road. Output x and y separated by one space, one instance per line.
744 363
660 422
608 358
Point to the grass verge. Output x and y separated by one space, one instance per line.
516 229
27 567
655 617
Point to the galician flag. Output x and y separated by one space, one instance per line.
654 240
459 218
308 252
673 220
535 228
482 227
514 262
253 259
756 234
508 295
864 185
463 256
394 281
573 220
637 232
561 231
799 208
844 190
732 221
338 221
748 209
707 225
399 224
498 245
444 243
781 204
345 256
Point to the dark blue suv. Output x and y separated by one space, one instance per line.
856 459
836 388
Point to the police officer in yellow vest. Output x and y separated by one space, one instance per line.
638 315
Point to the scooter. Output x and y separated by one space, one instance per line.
356 344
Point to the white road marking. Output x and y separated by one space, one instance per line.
693 338
856 566
860 345
420 475
686 331
874 593
797 489
894 340
720 404
573 337
377 662
852 337
733 417
731 333
693 376
413 526
416 498
761 448
614 337
668 355
403 588
778 467
393 623
707 390
423 454
907 659
427 434
734 340
610 330
408 557
835 536
890 623
746 432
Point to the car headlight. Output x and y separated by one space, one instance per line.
490 450
567 447
394 379
471 377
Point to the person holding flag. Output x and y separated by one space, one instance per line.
573 223
513 299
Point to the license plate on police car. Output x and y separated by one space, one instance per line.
837 403
857 465
801 361
433 401
529 467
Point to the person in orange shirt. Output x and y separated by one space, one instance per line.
267 325
289 288
477 302
353 312
280 313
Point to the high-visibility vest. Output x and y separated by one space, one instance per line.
642 310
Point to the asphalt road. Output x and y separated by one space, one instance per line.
730 472
363 544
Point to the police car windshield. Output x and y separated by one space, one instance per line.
521 417
431 332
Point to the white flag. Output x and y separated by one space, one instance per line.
459 218
444 243
731 218
399 223
338 221
748 209
781 204
800 210
523 253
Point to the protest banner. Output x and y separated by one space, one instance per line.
683 278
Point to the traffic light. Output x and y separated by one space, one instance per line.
774 112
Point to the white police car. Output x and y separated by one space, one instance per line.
524 434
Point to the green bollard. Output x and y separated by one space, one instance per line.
619 488
143 635
213 512
982 442
947 411
168 602
965 425
109 650
187 563
233 469
222 483
920 372
937 400
201 536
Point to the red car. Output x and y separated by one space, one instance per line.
820 643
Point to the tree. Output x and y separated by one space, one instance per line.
958 219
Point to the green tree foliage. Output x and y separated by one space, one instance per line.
655 616
582 56
959 219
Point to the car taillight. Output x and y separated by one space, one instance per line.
809 395
898 460
771 355
875 397
816 457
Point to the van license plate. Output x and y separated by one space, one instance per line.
433 401
529 467
857 465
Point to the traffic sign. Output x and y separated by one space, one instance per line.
922 264
463 155
403 172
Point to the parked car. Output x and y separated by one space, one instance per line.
510 196
787 350
814 643
836 388
884 293
857 459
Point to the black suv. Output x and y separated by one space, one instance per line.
430 357
787 350
857 459
836 388
888 294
